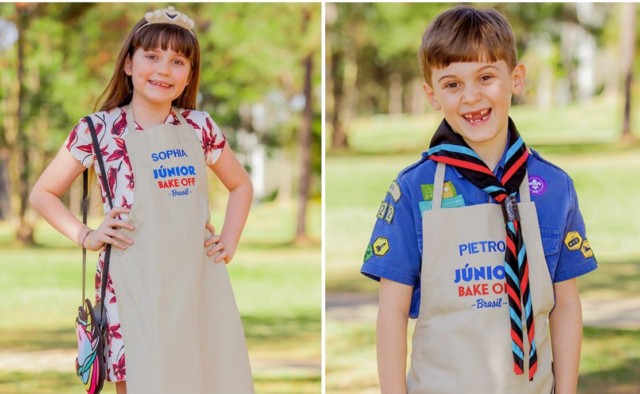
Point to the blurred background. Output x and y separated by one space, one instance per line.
581 110
261 82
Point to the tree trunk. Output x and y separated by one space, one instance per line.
25 227
395 93
5 206
305 153
339 139
628 46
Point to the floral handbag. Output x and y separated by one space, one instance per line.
91 323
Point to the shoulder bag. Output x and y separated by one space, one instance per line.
91 322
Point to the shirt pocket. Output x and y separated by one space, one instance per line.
550 241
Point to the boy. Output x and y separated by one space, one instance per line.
481 239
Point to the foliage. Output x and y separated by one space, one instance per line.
251 53
379 42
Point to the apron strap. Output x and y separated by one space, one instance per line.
524 189
179 116
438 184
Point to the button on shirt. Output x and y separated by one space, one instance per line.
395 249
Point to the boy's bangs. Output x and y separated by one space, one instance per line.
165 36
468 50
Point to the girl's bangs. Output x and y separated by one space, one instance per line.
166 36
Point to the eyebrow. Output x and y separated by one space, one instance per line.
479 71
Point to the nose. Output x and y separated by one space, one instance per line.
163 66
470 94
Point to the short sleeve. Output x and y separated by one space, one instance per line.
213 140
393 252
79 144
576 257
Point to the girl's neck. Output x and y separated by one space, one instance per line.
147 116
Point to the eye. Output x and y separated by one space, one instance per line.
451 85
179 62
151 56
486 77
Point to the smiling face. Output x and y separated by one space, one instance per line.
475 98
159 76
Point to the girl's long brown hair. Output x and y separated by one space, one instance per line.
161 35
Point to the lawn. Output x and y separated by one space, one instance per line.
277 287
582 140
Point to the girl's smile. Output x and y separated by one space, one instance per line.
158 76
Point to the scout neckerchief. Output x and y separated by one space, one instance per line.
450 148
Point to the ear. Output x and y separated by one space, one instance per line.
127 65
518 76
431 96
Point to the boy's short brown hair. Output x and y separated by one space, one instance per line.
466 34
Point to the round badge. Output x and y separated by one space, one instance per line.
537 185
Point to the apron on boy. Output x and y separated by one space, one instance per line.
181 327
461 341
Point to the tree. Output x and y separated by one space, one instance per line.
628 46
304 144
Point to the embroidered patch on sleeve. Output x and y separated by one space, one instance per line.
394 191
386 212
390 212
573 240
586 249
380 246
382 211
368 253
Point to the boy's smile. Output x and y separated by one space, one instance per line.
475 99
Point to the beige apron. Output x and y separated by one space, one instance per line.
180 324
461 342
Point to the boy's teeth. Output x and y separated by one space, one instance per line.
477 115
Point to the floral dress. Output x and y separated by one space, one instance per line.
111 127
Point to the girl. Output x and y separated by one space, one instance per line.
169 303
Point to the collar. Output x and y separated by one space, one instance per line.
498 171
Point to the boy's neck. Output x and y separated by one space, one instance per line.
490 151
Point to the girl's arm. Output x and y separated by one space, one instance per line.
45 198
566 336
234 177
391 336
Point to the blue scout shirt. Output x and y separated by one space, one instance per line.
395 249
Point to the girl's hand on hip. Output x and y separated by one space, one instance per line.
107 232
215 246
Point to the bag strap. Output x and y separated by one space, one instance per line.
105 186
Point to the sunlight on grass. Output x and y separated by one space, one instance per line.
581 139
277 286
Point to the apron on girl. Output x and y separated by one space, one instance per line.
181 327
461 341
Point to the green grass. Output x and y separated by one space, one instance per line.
581 139
277 285
595 122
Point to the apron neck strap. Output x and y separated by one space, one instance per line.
438 184
524 188
179 116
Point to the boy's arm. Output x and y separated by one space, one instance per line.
391 336
566 336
